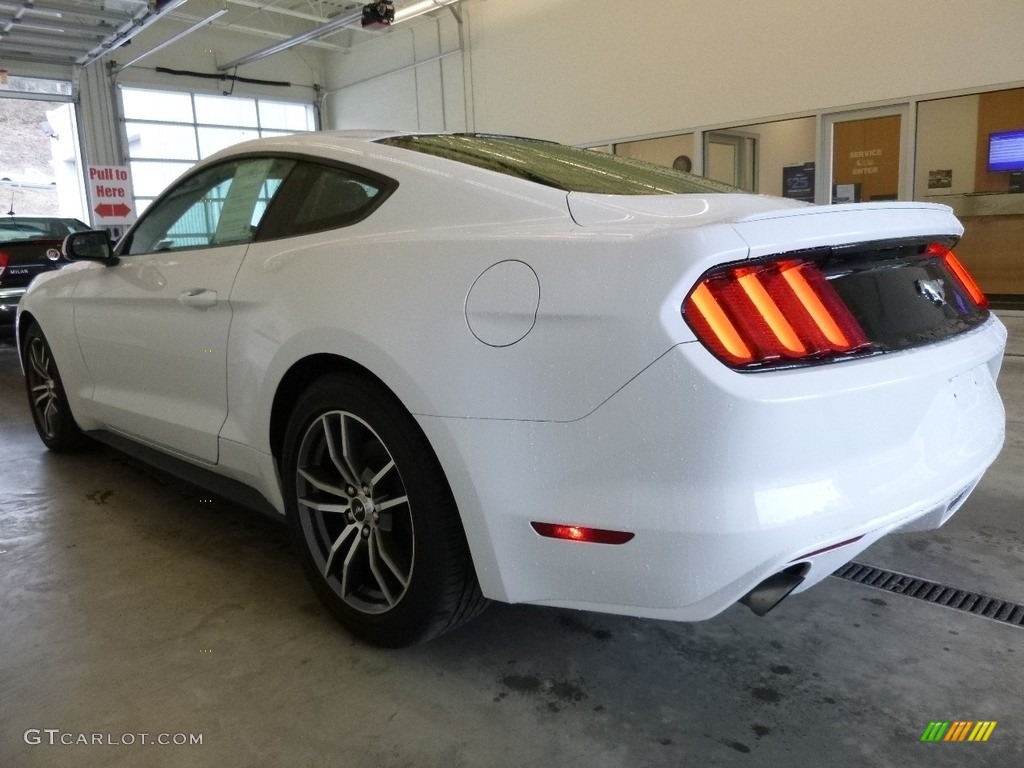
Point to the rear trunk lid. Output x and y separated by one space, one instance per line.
672 211
888 262
22 260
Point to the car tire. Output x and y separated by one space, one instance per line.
46 398
372 516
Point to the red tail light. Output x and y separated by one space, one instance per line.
5 259
776 312
960 273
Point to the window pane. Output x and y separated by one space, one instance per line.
156 105
150 178
220 205
187 217
270 188
286 116
214 139
317 198
167 142
225 110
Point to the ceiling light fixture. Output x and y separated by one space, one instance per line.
418 8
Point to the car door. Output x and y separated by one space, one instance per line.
153 328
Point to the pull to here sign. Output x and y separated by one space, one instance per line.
110 195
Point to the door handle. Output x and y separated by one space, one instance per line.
201 298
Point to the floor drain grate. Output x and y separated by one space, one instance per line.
934 592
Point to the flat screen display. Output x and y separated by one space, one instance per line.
1006 151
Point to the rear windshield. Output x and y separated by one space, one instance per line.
556 165
39 228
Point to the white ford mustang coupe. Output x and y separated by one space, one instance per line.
468 367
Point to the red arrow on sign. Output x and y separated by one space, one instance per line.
110 210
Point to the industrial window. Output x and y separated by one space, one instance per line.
169 131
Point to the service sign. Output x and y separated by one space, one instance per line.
110 195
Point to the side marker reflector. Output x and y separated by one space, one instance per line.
582 534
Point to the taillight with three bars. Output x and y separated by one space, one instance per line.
752 315
785 312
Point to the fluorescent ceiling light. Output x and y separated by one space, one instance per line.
418 8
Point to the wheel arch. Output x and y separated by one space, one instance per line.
297 378
25 319
302 372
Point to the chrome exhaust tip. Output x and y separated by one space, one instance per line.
773 590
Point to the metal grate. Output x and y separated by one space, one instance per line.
933 592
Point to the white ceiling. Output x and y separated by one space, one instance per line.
76 32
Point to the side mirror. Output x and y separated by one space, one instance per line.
89 246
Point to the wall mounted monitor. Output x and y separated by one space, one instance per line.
1006 151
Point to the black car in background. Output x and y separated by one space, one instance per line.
28 245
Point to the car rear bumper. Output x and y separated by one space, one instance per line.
724 478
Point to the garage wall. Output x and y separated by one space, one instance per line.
205 48
590 71
412 77
199 52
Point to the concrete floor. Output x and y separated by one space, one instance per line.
131 604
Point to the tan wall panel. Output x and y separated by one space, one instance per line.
947 132
588 71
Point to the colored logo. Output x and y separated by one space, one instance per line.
958 730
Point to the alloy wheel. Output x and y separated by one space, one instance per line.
43 387
355 513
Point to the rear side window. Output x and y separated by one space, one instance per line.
38 228
316 198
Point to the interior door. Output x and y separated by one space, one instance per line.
153 329
865 156
731 158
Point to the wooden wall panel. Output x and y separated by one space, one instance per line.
867 152
997 111
992 249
